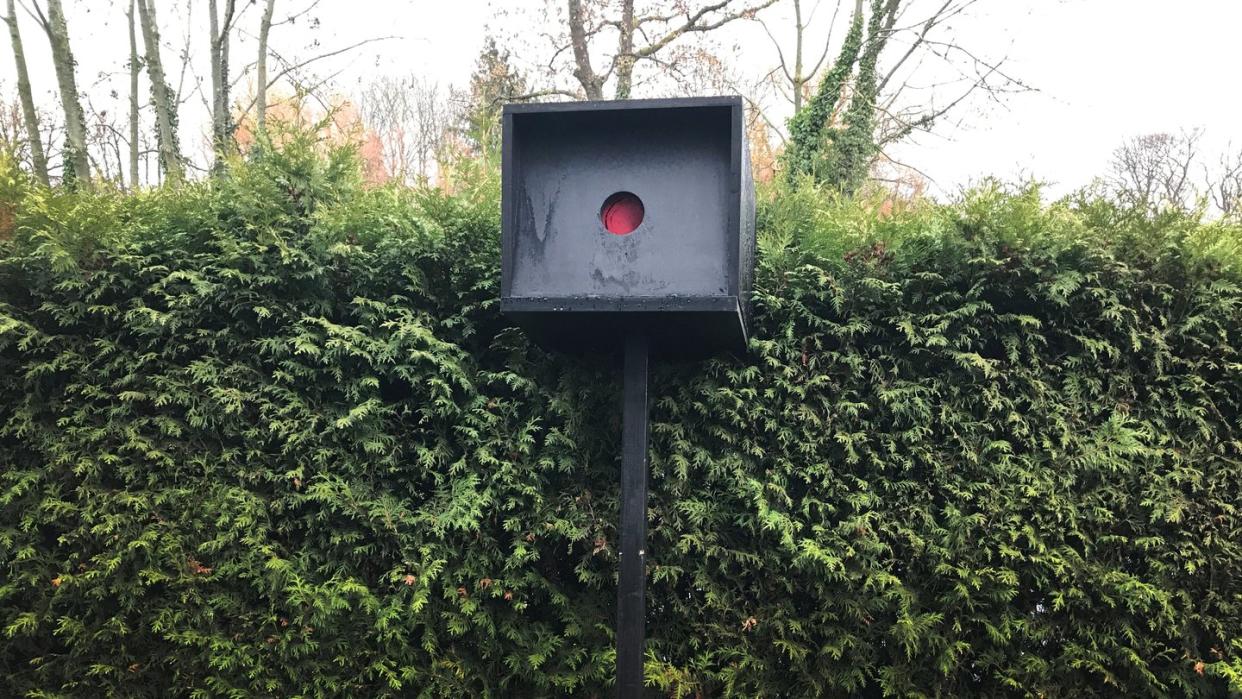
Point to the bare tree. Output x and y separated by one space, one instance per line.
1154 172
104 145
895 73
592 25
13 136
53 23
431 116
296 70
1225 185
161 96
134 69
38 159
410 117
799 75
221 118
911 93
265 28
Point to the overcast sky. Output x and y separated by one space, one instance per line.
1102 70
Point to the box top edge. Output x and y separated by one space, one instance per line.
621 105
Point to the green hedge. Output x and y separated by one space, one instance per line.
269 436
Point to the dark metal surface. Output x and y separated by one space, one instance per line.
675 160
676 328
745 242
562 270
631 594
615 105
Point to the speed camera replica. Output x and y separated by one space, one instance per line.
629 227
628 216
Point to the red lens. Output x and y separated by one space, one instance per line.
621 213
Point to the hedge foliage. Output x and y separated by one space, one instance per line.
269 436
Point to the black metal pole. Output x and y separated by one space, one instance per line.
631 597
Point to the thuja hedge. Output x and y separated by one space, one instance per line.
269 436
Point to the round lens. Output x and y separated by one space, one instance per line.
621 213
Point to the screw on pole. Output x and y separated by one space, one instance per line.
631 596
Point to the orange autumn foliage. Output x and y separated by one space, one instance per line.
338 123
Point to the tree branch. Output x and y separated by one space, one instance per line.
691 24
298 66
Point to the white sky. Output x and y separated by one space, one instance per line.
1103 70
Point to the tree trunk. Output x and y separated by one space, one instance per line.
216 70
134 69
855 145
625 51
75 120
807 127
221 127
591 83
799 80
165 110
38 158
265 27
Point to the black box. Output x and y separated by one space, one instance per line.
578 176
